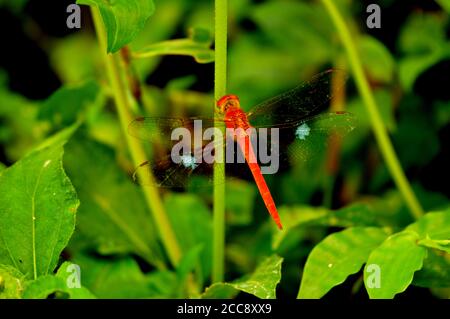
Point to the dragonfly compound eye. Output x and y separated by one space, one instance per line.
226 101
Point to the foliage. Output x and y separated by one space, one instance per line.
123 19
261 283
41 202
68 198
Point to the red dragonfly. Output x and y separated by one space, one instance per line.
294 118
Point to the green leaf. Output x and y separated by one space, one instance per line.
422 33
124 19
384 99
249 78
47 285
435 271
292 26
411 67
75 57
336 257
67 104
219 291
445 4
261 283
436 225
197 46
392 212
397 259
264 280
423 39
160 27
191 221
59 284
122 278
188 262
299 185
240 199
37 209
161 284
377 59
298 217
201 36
113 216
19 131
11 282
244 248
443 244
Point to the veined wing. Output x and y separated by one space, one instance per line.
307 99
302 141
180 170
181 148
275 148
151 128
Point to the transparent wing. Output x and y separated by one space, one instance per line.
293 132
180 170
303 141
312 137
275 148
305 100
151 128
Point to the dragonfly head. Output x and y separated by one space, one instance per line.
228 101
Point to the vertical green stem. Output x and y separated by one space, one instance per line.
379 129
119 88
220 81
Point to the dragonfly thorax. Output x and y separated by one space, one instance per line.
236 118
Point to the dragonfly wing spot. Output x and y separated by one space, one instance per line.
189 161
302 131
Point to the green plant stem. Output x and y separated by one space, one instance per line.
379 129
220 81
119 89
